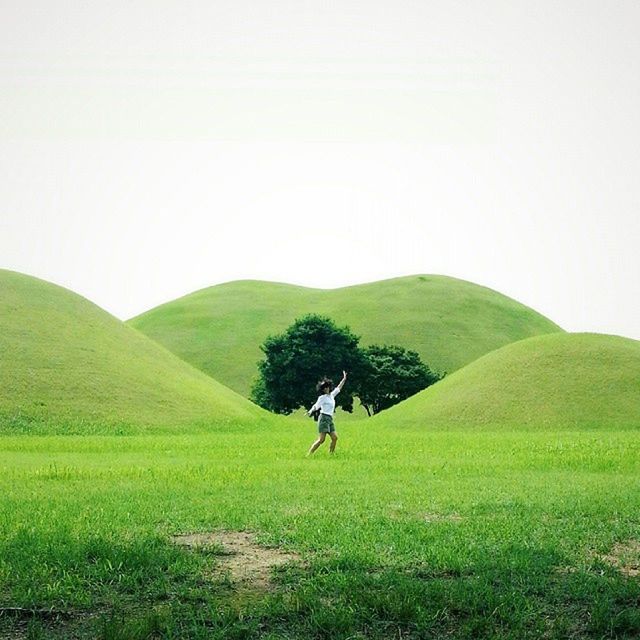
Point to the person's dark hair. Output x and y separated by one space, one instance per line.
325 383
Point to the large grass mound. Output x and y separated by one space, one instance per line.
65 361
555 381
448 322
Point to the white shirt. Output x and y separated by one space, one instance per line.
326 403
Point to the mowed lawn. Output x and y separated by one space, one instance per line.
403 533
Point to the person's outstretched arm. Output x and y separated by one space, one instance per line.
315 406
337 390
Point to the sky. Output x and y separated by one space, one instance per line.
149 149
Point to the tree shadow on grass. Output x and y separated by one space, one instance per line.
515 593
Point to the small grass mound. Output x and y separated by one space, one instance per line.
553 381
66 364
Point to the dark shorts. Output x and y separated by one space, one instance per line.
325 424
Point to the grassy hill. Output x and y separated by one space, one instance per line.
449 322
552 381
63 360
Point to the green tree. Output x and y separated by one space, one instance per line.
311 348
391 375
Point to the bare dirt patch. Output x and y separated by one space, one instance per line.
442 517
625 556
565 569
249 564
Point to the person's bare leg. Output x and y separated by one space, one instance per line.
334 440
317 443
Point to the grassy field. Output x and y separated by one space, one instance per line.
405 533
503 520
449 322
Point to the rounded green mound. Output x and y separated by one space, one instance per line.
555 381
449 322
65 361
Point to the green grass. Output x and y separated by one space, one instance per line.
448 322
412 530
578 381
404 533
68 365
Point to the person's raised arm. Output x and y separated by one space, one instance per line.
337 390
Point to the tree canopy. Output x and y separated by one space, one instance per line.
314 347
311 348
391 375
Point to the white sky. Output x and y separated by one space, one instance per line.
148 149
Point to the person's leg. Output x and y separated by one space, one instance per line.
334 440
317 443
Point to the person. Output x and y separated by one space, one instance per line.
326 403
